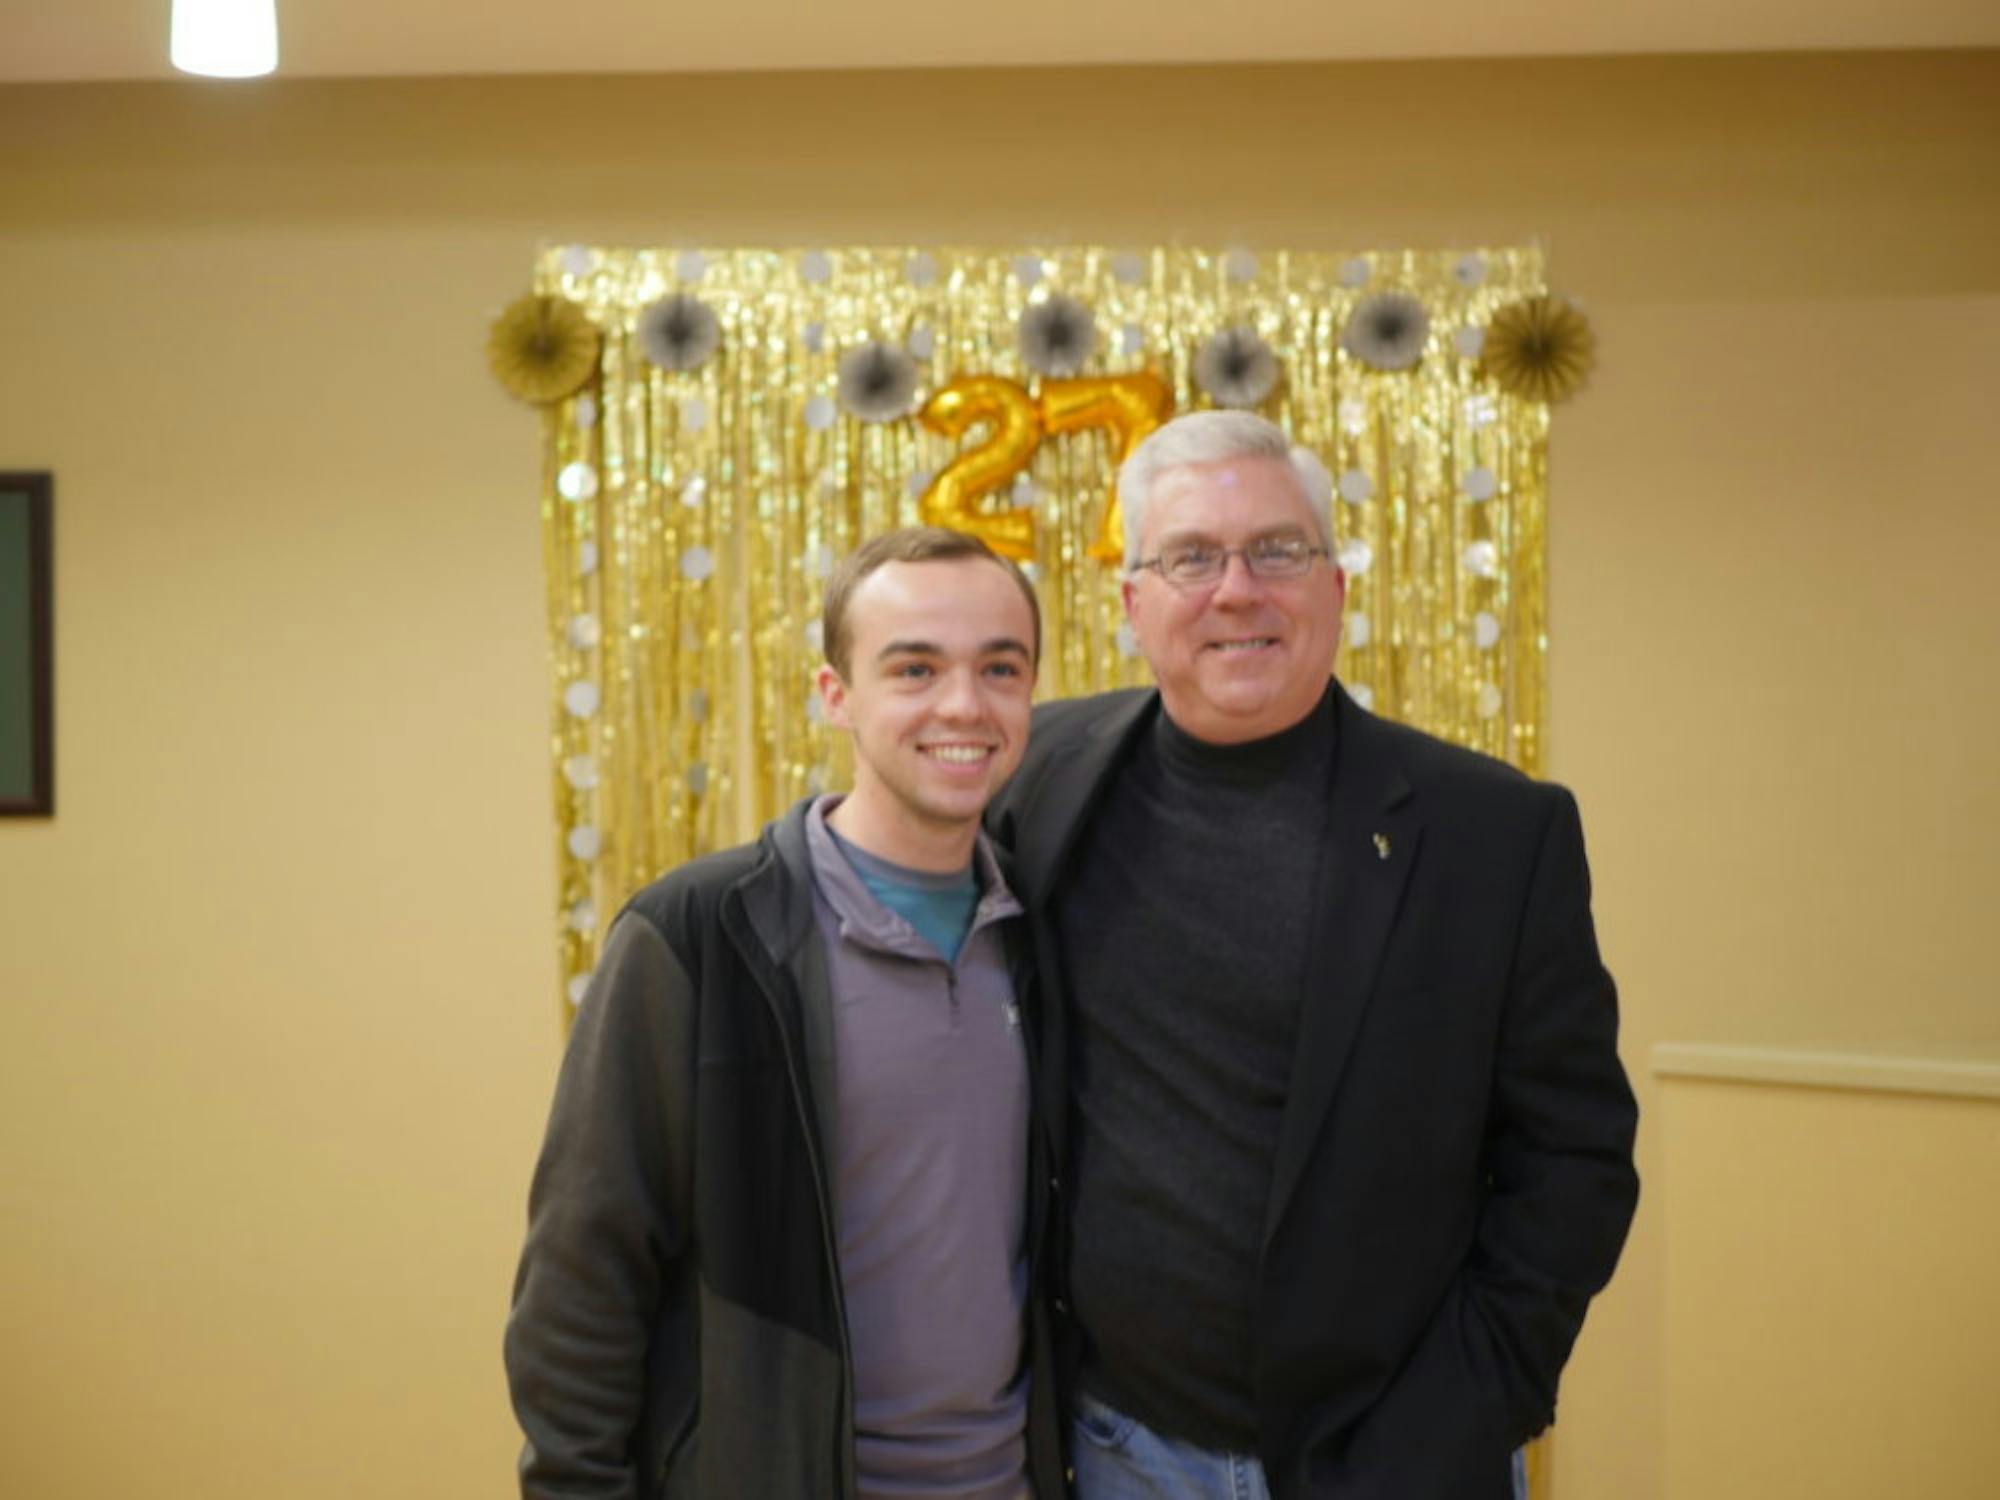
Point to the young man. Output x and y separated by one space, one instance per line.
1349 1146
779 1237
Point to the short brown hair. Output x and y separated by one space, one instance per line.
911 544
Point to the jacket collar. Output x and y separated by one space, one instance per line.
776 894
1374 830
768 917
1074 782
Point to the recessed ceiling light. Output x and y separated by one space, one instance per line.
225 38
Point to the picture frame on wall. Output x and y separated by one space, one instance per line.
27 645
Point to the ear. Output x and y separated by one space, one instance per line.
832 696
1127 592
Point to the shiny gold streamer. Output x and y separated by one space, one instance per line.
690 518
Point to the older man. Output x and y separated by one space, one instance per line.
1332 1055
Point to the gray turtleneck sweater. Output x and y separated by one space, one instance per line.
1183 931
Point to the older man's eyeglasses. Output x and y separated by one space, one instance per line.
1192 565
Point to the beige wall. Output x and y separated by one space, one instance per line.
1855 1360
278 979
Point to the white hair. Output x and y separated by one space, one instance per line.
1207 437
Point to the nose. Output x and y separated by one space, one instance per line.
958 697
1237 582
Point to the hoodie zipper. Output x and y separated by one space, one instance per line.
801 1104
843 1454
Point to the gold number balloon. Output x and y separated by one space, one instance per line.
1130 406
1016 431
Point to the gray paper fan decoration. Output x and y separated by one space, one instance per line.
877 382
679 332
1057 336
1236 368
1387 331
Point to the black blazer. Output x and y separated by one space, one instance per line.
1454 1177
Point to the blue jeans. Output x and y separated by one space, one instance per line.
1119 1458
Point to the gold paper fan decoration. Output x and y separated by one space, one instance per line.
542 348
1540 349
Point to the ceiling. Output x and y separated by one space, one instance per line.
74 40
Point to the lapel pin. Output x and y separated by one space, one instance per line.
1381 846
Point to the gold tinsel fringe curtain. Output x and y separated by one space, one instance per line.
691 515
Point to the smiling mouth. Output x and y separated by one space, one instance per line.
1254 643
957 755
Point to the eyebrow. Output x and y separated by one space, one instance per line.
997 645
1269 533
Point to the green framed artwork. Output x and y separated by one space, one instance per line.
27 646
